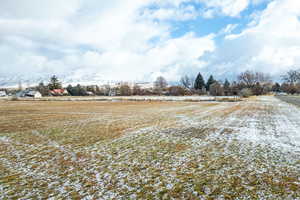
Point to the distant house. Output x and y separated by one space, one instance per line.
114 91
20 94
89 93
145 85
59 92
3 94
34 94
29 93
281 93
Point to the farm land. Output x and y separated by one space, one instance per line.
290 99
248 149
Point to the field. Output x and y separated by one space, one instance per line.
290 99
150 150
132 98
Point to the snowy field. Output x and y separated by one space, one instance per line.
150 150
290 99
139 98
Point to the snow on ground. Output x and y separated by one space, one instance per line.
238 150
139 98
274 123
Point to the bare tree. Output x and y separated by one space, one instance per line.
250 78
125 90
289 88
292 76
186 82
160 84
247 78
263 78
20 87
298 88
43 89
106 90
136 90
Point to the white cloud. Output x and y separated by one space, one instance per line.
121 40
111 41
36 9
172 13
169 56
231 8
256 2
228 29
271 43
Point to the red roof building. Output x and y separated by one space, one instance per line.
59 92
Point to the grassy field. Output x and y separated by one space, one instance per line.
290 99
150 150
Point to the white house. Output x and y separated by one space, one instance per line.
3 94
89 93
146 85
29 93
34 94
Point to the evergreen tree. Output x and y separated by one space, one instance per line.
54 83
78 90
199 82
70 90
276 87
210 81
226 84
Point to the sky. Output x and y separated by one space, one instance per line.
138 40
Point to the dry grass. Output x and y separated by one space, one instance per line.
32 115
148 150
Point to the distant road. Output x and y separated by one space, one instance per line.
290 99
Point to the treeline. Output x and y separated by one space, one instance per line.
246 84
55 87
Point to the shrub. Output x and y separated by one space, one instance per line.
246 92
14 98
125 90
176 91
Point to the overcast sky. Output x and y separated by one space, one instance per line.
141 39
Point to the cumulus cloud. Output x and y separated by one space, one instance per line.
119 40
110 39
229 28
169 56
35 9
231 8
184 13
270 44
